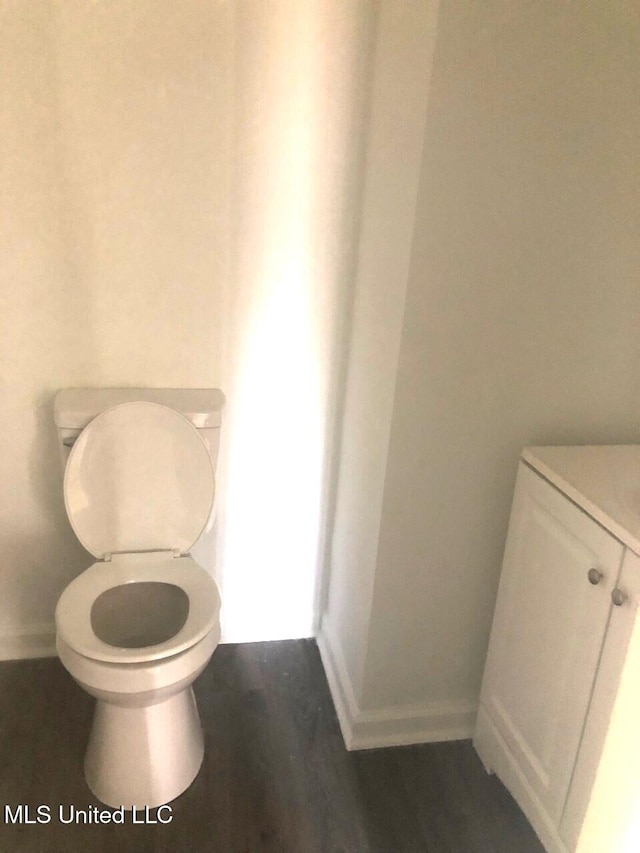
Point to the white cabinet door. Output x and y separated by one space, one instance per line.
609 754
547 634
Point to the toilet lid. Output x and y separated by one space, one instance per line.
139 478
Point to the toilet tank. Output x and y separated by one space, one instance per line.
74 408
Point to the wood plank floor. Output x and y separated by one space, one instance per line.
276 776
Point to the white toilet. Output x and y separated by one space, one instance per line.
137 627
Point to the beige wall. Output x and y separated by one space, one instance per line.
399 81
115 130
522 313
520 327
177 206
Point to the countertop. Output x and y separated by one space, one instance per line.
603 480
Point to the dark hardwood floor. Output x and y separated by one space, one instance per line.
276 775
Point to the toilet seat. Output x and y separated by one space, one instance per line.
73 612
138 490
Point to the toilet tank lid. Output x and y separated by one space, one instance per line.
74 408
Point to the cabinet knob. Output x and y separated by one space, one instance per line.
595 576
618 597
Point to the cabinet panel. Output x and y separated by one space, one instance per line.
548 633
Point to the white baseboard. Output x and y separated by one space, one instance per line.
342 693
398 725
35 641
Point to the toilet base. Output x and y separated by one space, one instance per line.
144 756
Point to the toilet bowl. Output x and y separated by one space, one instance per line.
137 627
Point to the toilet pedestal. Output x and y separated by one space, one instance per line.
144 756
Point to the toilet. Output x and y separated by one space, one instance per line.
138 626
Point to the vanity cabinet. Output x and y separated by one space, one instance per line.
564 617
